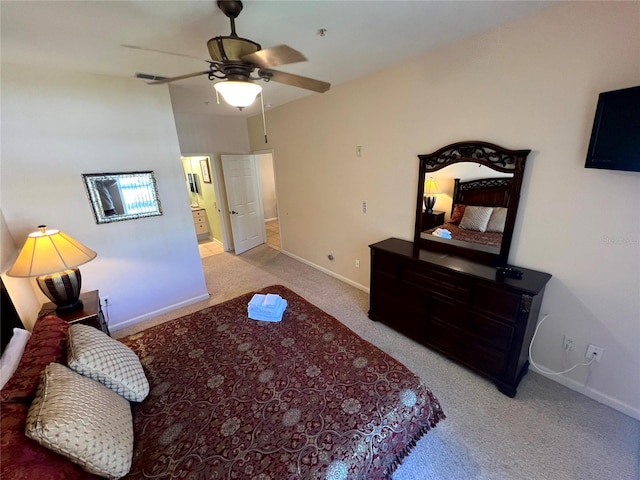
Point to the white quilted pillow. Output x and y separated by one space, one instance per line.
82 420
98 356
476 218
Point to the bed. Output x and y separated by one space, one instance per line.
234 398
490 199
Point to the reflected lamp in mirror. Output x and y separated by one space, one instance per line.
431 189
53 257
122 196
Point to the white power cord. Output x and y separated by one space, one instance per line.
544 370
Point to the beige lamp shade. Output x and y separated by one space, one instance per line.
49 251
431 187
53 256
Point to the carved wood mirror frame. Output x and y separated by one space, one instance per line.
483 153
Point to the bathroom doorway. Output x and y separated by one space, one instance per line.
201 184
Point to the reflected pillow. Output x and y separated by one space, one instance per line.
458 213
497 220
476 218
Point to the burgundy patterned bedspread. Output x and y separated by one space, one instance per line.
305 398
492 239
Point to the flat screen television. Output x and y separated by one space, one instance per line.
615 137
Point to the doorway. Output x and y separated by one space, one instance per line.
269 198
205 204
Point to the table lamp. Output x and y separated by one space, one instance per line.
431 189
53 257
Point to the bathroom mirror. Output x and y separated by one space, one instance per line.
474 174
122 196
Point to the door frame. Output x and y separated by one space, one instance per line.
221 196
270 151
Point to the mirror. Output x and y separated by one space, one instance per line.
122 196
480 175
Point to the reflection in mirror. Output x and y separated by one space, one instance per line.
475 205
122 196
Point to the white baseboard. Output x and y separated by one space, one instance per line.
132 321
592 393
270 219
328 272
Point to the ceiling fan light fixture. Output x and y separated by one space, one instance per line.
238 93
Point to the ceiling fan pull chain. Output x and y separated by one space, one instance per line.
264 122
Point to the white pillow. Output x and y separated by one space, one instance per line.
497 220
476 218
12 354
83 420
96 355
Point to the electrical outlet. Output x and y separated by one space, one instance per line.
364 206
594 351
104 300
567 343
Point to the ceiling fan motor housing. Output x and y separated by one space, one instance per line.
224 49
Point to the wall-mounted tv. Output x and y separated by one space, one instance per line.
615 138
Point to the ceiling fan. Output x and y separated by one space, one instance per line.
235 59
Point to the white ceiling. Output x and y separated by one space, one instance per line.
361 37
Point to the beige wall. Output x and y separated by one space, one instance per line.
531 84
57 126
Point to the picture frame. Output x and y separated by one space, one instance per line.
206 171
122 195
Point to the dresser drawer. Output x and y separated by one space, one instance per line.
421 275
399 306
498 302
466 349
384 262
201 228
199 214
491 333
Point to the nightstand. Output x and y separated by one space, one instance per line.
431 220
90 313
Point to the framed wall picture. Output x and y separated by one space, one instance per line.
206 173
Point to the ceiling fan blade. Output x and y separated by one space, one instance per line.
135 47
181 77
295 80
274 56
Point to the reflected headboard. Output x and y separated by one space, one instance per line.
483 192
9 318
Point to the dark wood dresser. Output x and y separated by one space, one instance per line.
458 307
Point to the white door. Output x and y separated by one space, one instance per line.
245 203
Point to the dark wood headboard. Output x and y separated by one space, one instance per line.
483 192
9 318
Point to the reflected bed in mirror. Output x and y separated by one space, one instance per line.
477 202
122 196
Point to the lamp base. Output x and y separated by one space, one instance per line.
70 308
429 203
63 289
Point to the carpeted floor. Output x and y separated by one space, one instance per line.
547 432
